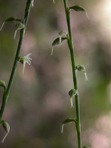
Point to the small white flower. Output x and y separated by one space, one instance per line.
26 60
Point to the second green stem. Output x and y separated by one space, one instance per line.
70 44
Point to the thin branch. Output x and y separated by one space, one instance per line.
11 79
71 47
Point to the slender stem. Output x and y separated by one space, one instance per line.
22 33
71 47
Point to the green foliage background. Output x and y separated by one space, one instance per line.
39 100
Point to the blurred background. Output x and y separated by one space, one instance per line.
39 101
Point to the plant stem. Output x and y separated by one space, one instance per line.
71 47
11 79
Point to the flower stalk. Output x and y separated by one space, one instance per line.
71 48
11 79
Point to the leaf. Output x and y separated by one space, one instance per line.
77 8
72 92
68 120
2 84
6 127
57 41
86 147
10 19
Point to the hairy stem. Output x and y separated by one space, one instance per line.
22 33
71 47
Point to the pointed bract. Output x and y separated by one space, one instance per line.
77 8
68 120
3 84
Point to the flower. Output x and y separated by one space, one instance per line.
25 60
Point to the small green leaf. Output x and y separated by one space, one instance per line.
72 92
6 127
56 41
2 84
10 19
77 8
68 120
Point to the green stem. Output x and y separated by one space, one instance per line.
71 47
22 33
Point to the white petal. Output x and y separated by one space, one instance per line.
24 66
30 58
2 26
62 128
52 50
60 39
4 137
85 74
15 33
71 101
28 55
32 3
